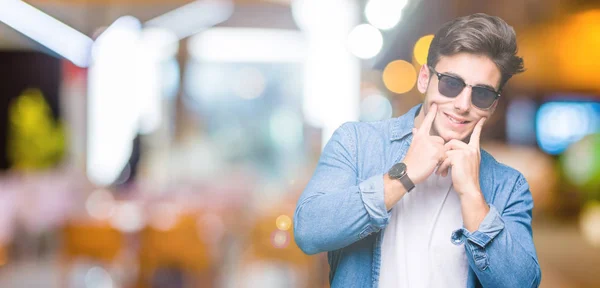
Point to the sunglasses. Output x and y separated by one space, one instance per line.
451 86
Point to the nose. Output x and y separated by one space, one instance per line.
462 102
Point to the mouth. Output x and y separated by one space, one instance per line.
456 120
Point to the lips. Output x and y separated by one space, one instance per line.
456 120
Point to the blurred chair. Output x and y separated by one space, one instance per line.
175 257
94 241
3 255
271 241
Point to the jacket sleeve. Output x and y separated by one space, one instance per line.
336 209
501 251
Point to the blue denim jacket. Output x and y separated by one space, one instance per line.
342 210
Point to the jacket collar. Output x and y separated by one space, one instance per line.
403 125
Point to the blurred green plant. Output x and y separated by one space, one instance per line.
35 140
581 165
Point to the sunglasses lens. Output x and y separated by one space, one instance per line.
483 98
449 86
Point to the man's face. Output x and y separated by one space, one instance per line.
456 117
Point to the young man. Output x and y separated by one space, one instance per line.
413 201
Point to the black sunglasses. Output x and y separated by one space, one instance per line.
451 86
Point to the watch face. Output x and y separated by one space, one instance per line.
397 170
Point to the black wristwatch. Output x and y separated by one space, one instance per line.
398 171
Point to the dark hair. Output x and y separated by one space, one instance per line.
480 34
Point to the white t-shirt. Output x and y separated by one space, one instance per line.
417 250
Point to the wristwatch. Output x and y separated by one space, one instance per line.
398 171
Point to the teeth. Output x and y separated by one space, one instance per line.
456 121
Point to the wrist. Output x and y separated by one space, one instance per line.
411 176
474 209
393 191
410 172
471 196
472 192
397 186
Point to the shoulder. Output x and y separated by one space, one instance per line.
360 130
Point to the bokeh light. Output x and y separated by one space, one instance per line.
581 165
590 223
365 41
421 49
399 76
280 239
211 227
250 83
127 217
286 128
224 45
375 107
384 14
577 50
560 124
164 216
98 277
100 204
316 16
283 222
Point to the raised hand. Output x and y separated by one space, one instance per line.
425 152
464 159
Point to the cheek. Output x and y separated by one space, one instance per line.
434 98
483 114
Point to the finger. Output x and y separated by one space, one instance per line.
443 168
474 141
428 121
447 163
442 153
437 139
445 173
442 156
456 145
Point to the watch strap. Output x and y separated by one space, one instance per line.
406 182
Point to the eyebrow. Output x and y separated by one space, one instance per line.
476 85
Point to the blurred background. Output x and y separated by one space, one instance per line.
164 143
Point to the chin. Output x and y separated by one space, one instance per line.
449 135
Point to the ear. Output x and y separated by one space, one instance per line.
423 79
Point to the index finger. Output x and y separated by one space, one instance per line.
428 121
474 141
